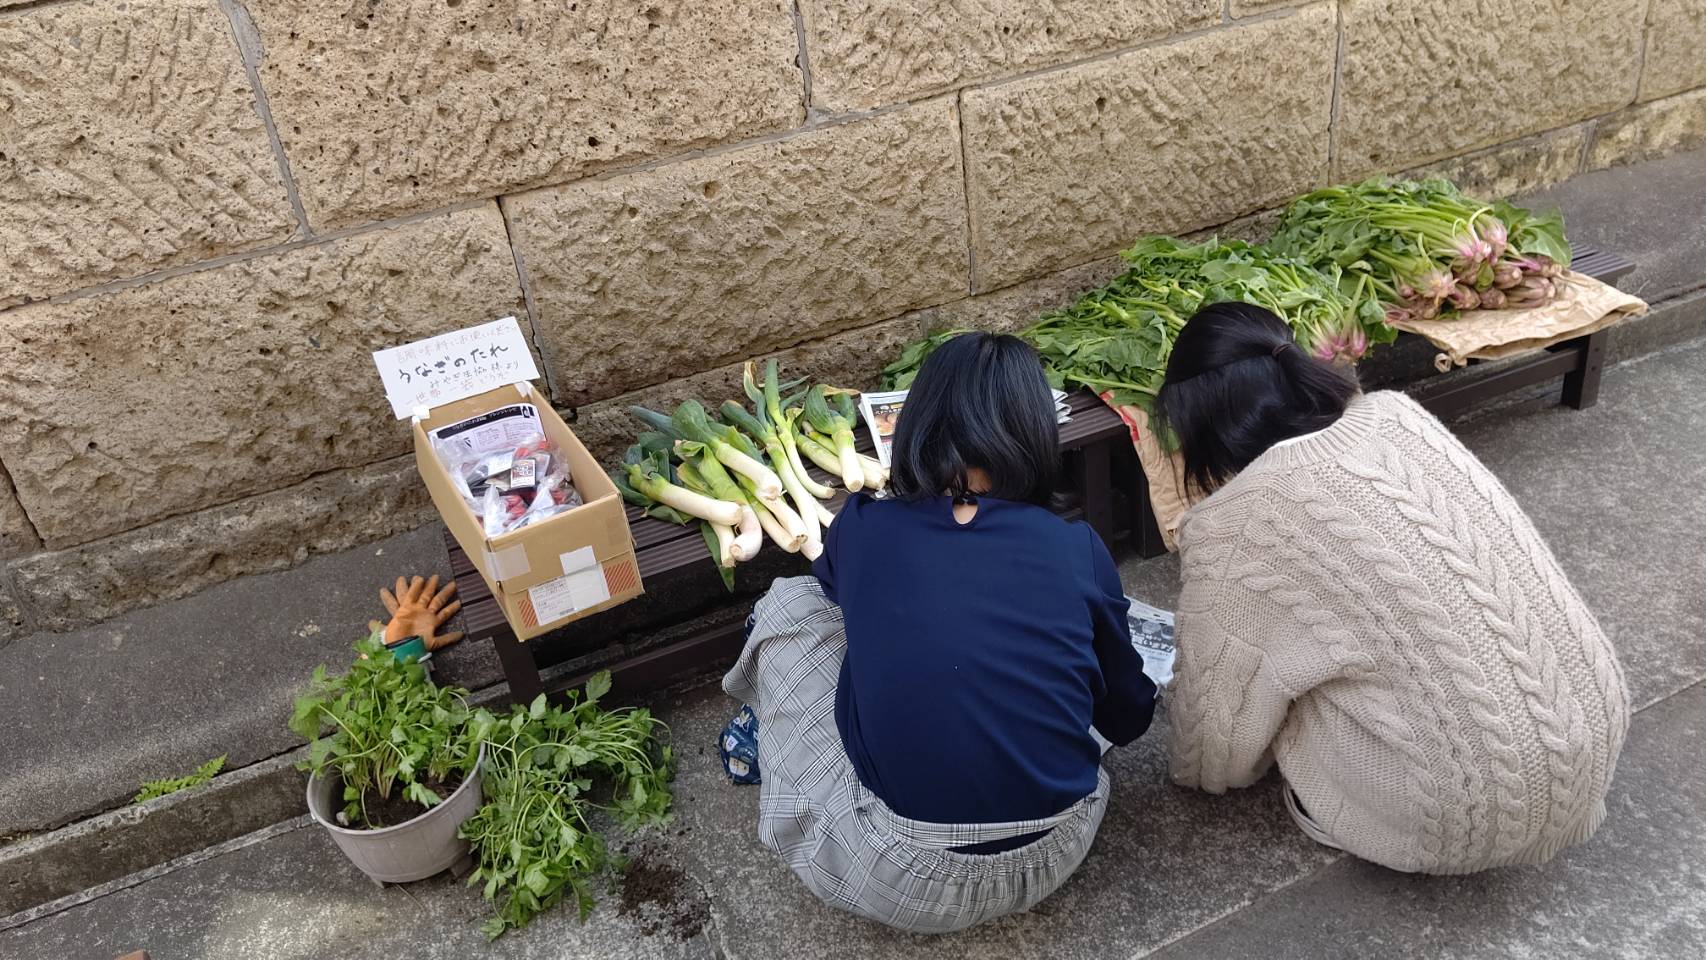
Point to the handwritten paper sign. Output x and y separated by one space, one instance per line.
453 366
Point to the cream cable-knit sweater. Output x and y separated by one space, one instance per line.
1370 608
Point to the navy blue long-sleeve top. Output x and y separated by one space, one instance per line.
978 657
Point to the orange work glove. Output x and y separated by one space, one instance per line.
418 609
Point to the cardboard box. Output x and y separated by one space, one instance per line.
552 572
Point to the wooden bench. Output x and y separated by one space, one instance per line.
1579 361
1107 489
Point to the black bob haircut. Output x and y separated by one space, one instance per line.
1236 385
980 401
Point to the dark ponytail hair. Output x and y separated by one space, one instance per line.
1236 385
981 401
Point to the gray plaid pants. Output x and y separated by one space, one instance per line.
844 843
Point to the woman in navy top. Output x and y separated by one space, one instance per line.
971 640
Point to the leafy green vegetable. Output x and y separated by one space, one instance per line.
383 727
1420 248
1116 339
531 836
159 788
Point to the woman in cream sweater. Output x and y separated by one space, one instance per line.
1365 605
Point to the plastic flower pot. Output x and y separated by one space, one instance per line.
413 850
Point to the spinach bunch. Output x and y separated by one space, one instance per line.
381 727
1421 248
532 838
1116 339
1326 320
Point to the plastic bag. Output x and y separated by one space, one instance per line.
513 486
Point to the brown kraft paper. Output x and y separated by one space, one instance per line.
1582 306
1164 471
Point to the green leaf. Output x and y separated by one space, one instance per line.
420 794
537 708
711 544
536 880
597 685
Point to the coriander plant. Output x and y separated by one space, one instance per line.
381 727
532 837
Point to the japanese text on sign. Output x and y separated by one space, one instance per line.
452 366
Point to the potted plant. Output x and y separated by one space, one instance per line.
394 764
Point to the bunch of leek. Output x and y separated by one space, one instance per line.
745 476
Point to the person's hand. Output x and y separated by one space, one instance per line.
418 608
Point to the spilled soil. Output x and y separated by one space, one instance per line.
660 898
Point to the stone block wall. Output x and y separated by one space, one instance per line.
211 211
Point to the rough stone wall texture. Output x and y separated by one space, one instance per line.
1676 48
1245 8
1421 81
1509 169
124 408
642 277
17 534
399 105
127 143
1071 165
174 558
1649 130
866 53
212 210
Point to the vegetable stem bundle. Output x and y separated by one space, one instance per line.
1115 339
745 476
1420 248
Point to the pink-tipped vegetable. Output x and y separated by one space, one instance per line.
1464 297
1357 344
1492 298
1506 275
1496 236
1437 284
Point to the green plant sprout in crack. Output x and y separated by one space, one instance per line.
532 837
159 788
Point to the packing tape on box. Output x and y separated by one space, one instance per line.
508 562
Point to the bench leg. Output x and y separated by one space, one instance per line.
1095 487
520 669
1581 386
